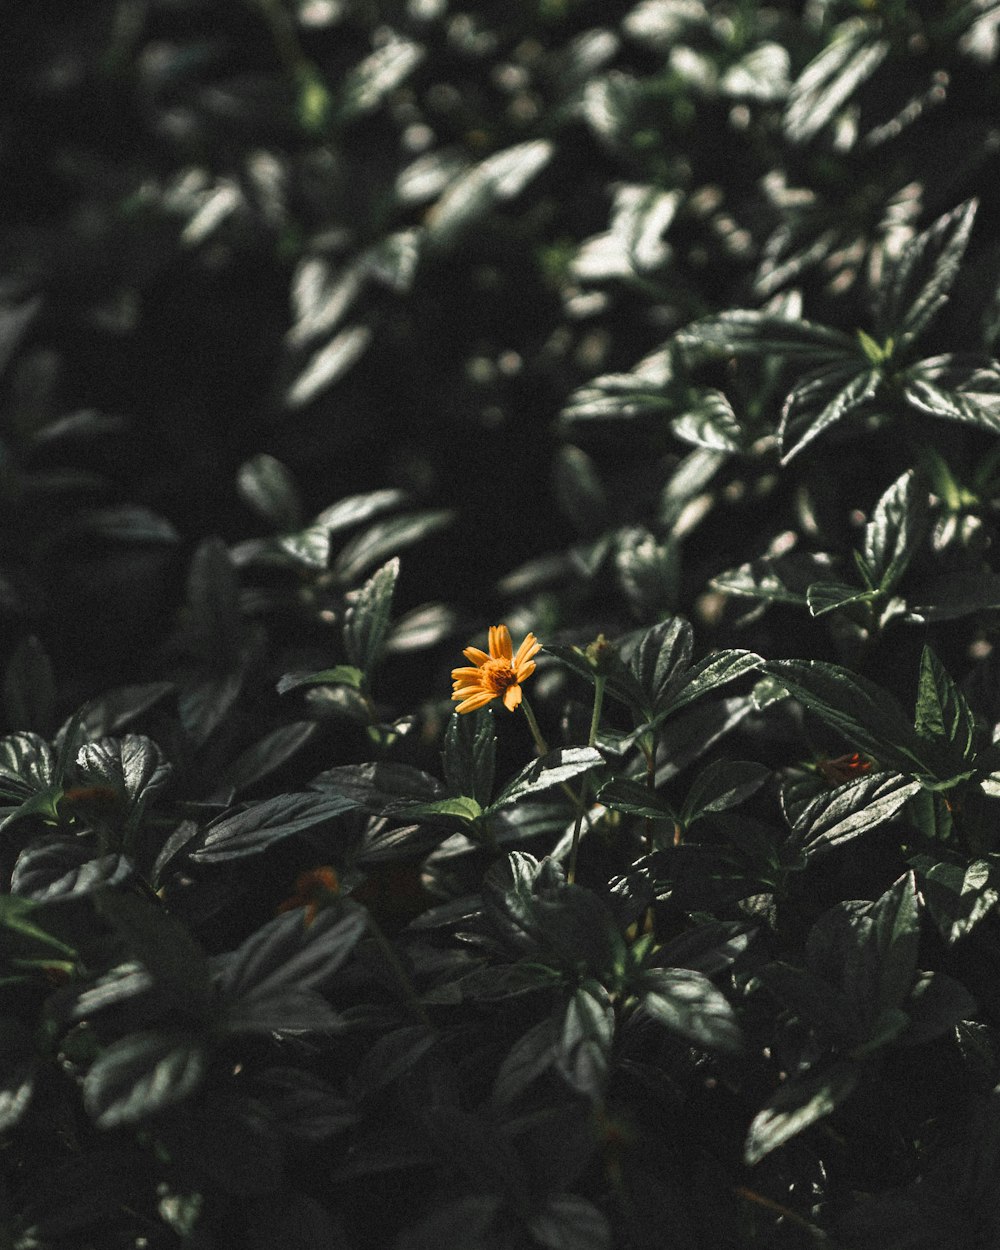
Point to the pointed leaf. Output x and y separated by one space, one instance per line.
142 1074
687 1003
367 622
918 282
836 816
798 1103
251 829
942 710
551 770
470 748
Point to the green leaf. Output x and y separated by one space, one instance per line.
385 539
687 1003
709 422
584 1041
570 1222
133 766
339 675
978 409
776 579
710 673
286 954
720 786
958 896
942 710
251 829
622 794
366 624
884 978
917 284
836 816
867 716
936 1005
383 788
470 748
659 659
263 757
369 83
267 486
820 402
554 769
214 598
474 194
161 943
831 78
579 491
796 1105
824 597
893 535
812 999
328 365
142 1074
747 332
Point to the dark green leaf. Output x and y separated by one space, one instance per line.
868 717
470 748
798 1103
133 766
367 622
250 830
893 535
372 81
942 710
687 1003
579 491
161 943
286 954
709 422
831 78
263 757
551 770
328 365
585 1040
142 1074
817 404
622 794
472 195
918 282
815 1001
937 1003
570 1222
385 539
824 597
382 789
533 1053
746 332
269 488
845 812
958 896
722 785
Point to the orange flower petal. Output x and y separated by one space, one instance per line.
479 658
511 697
477 700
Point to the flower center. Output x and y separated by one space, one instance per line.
498 675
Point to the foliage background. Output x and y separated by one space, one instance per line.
603 317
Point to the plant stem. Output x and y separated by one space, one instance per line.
536 733
595 721
399 973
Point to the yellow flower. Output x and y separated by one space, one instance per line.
496 675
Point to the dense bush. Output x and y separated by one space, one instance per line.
334 332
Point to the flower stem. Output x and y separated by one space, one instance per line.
595 721
536 733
